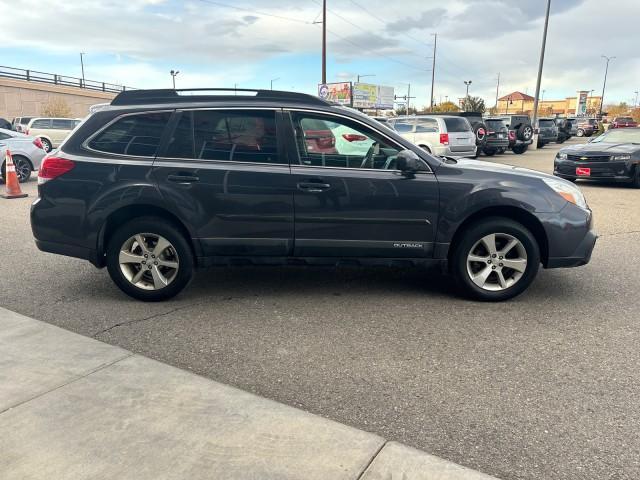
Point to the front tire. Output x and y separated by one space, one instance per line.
149 259
495 259
580 133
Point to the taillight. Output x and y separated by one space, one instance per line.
444 138
353 137
26 132
512 134
53 167
38 143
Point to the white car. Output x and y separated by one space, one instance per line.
442 135
27 152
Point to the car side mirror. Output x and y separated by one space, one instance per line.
408 162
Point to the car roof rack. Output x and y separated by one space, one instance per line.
194 95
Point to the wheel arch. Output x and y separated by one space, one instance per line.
516 214
129 212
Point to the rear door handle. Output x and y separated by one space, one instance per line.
182 178
313 187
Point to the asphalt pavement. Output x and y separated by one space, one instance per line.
543 386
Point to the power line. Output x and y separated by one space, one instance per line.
241 9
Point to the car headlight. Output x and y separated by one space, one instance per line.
621 157
567 190
562 156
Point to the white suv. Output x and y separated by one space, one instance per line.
446 136
50 131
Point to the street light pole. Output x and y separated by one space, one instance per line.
635 104
433 68
604 85
324 41
497 88
173 77
540 65
82 67
467 83
273 80
368 75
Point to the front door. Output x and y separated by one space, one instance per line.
224 172
350 200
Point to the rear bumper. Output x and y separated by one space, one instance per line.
70 251
496 142
446 152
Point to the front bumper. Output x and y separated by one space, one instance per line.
617 171
581 255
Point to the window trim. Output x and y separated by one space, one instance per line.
85 144
281 151
394 142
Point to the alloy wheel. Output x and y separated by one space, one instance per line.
497 262
148 261
23 169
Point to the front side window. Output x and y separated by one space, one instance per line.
337 142
137 135
240 136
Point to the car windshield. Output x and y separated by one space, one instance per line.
619 136
457 124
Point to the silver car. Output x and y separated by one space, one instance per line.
445 136
27 152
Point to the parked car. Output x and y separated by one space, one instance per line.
27 153
564 129
497 140
520 131
623 122
161 183
51 131
19 123
547 131
612 156
445 136
477 125
586 127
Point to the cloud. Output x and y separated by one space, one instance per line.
426 20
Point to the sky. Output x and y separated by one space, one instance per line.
248 43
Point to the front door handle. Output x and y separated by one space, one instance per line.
313 187
182 178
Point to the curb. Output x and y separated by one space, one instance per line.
75 407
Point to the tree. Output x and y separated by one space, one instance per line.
446 107
616 110
56 107
403 111
473 104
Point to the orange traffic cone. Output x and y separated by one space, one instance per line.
11 179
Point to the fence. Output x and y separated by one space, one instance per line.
55 79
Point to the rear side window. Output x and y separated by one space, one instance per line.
240 136
137 135
426 125
24 120
42 123
457 124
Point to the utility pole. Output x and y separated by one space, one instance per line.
324 41
408 97
635 103
606 70
534 122
82 67
497 88
433 68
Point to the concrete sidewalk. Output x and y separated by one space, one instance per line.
75 408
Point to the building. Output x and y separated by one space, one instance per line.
518 102
25 93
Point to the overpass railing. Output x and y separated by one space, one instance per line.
55 79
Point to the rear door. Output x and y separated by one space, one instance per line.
225 173
461 136
354 202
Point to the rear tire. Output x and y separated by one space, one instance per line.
636 179
524 132
150 279
580 133
489 152
481 278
